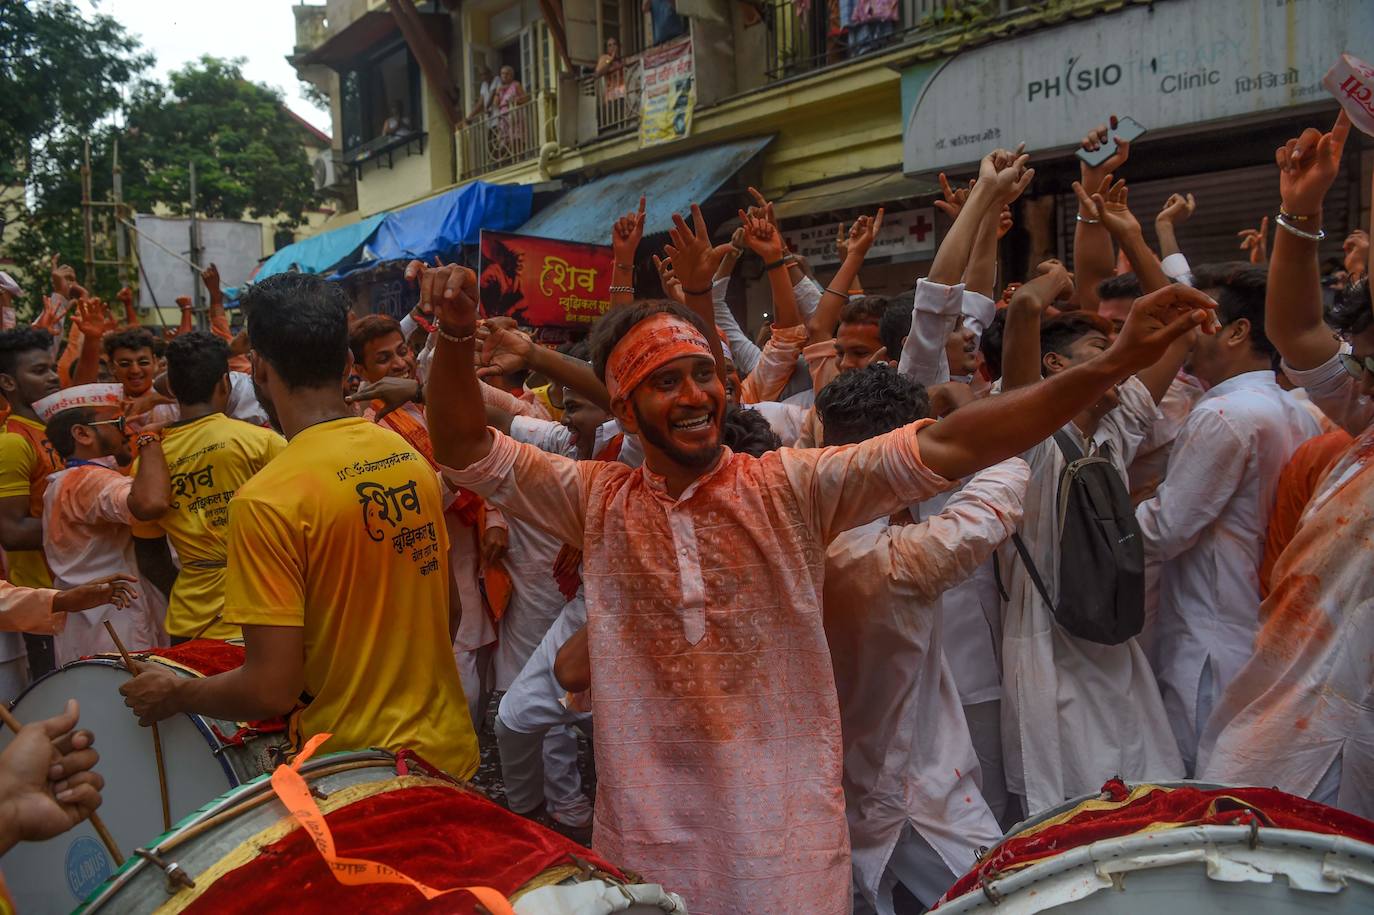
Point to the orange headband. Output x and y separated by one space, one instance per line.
650 345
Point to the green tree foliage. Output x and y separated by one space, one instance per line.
60 74
245 144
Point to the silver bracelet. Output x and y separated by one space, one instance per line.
627 290
1091 222
1282 220
439 329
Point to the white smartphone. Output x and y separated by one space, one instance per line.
1126 128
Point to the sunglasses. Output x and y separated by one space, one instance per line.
117 423
1357 366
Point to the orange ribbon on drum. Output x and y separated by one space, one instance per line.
291 788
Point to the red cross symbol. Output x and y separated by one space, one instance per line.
921 228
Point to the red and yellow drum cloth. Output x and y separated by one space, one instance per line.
1122 811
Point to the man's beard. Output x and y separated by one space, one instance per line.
698 459
266 403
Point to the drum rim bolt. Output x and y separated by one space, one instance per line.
177 878
318 793
991 892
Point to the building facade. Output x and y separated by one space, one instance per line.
830 107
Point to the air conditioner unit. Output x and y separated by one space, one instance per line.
329 170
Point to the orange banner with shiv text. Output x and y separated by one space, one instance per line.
292 790
544 282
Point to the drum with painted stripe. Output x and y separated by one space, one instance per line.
243 852
1182 848
203 757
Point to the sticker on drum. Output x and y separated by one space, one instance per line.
87 865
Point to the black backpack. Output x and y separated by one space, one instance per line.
1102 553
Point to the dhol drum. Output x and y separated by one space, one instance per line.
245 853
1181 848
202 756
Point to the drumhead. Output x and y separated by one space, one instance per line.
55 875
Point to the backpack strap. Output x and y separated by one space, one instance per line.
1067 446
1030 567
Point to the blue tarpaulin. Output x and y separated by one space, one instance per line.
672 185
320 252
444 223
439 225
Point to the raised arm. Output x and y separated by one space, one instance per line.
150 497
126 298
861 237
1293 302
508 350
1021 336
219 320
1176 210
625 237
94 320
695 261
454 412
993 429
1112 211
1093 259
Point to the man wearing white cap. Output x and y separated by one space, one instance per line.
89 509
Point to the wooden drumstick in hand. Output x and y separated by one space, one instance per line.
157 736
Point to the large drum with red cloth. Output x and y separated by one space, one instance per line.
246 853
1178 848
202 756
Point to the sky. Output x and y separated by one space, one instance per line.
262 32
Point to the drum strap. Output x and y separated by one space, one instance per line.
294 793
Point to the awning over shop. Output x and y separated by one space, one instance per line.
320 252
586 213
443 223
853 191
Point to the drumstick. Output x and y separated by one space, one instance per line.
96 822
157 737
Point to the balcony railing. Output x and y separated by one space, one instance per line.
501 138
613 96
804 35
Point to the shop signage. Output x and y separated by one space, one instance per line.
543 282
905 236
1167 65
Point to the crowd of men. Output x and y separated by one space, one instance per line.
838 609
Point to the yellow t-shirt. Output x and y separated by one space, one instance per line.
209 458
343 534
26 459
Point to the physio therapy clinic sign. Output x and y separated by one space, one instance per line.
1167 65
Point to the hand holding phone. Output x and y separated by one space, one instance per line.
1125 129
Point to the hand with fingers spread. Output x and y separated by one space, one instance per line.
694 258
1052 283
114 589
626 235
93 318
50 319
1091 175
63 277
1307 168
954 198
1256 242
763 238
1177 209
1108 204
672 286
47 779
1156 320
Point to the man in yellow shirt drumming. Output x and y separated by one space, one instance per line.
336 561
209 457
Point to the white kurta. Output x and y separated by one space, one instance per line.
535 600
87 536
908 758
1304 702
1075 713
1206 524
